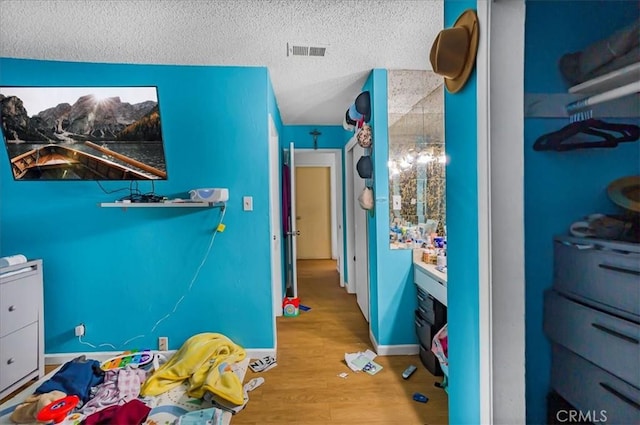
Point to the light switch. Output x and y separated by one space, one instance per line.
397 202
247 203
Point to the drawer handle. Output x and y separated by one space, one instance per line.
11 360
615 333
620 395
12 308
420 297
418 324
620 269
422 310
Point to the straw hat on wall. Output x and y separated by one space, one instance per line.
453 53
626 192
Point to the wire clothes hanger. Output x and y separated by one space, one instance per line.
590 133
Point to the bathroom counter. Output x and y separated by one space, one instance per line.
427 277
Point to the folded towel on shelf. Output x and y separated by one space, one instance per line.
620 49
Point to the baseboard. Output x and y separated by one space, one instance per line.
61 358
258 353
393 350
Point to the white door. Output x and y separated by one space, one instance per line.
292 220
360 259
276 219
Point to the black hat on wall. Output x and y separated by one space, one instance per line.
363 105
348 123
365 167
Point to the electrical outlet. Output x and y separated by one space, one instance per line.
397 202
163 343
247 203
80 330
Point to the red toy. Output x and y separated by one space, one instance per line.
57 410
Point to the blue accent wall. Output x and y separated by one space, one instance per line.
462 242
561 187
121 272
392 293
332 137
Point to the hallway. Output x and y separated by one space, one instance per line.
304 387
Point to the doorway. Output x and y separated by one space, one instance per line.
276 218
331 159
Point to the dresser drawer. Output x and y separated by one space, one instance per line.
431 310
593 391
607 341
20 301
424 330
610 277
18 354
425 302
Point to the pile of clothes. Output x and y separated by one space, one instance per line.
128 394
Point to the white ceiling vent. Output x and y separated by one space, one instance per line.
296 50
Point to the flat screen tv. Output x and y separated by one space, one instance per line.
83 133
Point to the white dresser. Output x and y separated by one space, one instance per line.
592 317
21 325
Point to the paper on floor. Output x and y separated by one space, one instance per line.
362 361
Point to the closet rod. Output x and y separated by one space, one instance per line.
616 93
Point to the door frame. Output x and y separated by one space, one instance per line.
331 158
501 245
350 285
353 245
275 220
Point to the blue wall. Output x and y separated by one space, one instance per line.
120 272
392 293
332 137
462 242
561 188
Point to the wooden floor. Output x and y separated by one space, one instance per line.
304 387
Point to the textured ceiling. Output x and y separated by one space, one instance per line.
358 35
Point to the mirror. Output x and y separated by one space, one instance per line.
416 158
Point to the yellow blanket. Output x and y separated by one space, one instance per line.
205 360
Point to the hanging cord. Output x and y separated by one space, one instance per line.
195 276
193 280
93 346
133 188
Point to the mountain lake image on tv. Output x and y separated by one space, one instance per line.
83 133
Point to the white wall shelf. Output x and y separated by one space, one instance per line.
545 105
613 95
614 79
161 205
